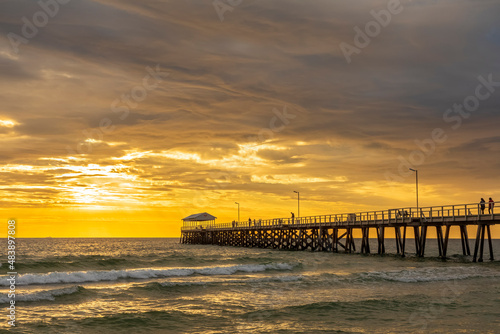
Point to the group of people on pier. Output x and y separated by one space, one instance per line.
482 207
491 205
255 222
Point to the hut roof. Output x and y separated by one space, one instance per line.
199 217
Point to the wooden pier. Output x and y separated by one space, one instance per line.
334 233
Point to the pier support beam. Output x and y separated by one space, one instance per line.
481 230
440 241
465 240
365 240
416 233
423 239
380 239
335 240
400 240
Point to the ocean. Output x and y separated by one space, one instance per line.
161 286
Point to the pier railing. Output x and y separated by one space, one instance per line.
471 212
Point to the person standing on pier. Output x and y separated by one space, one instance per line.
491 205
483 205
249 222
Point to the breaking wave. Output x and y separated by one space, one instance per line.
113 275
43 295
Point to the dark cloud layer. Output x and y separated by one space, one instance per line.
221 108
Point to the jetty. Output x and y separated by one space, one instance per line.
334 232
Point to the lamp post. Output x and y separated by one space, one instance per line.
416 182
238 211
298 203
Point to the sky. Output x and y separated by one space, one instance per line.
119 118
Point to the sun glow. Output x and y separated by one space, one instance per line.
8 123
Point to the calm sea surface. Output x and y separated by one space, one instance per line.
160 286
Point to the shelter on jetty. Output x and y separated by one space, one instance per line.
198 221
334 232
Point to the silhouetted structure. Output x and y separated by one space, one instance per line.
332 233
198 221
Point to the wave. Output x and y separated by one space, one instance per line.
213 259
153 286
79 262
113 275
432 274
409 275
353 310
237 281
43 295
152 321
98 262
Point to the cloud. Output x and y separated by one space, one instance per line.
226 79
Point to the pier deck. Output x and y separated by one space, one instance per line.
334 233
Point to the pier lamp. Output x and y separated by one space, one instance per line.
238 211
298 203
416 182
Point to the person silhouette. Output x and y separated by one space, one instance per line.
491 205
483 205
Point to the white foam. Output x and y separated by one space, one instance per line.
40 295
431 274
113 275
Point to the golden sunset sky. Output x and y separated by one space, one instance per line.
119 118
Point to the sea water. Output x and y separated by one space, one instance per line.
161 286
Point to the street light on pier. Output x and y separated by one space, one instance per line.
238 211
416 182
298 203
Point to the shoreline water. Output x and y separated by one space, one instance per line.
157 285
